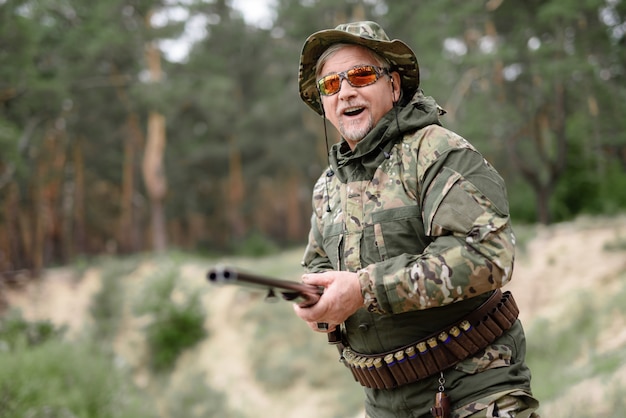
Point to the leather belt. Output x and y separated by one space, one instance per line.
437 352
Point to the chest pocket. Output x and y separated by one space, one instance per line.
394 232
333 239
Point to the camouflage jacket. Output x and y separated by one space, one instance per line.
421 216
423 219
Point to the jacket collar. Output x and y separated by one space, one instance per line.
370 152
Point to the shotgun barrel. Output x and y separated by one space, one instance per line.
303 294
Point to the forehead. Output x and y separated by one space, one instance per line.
347 57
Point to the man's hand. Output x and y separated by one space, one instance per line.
342 297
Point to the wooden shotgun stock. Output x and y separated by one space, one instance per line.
303 294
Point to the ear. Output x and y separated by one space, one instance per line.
395 85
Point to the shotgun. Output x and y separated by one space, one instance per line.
303 294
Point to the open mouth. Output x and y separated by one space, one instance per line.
353 111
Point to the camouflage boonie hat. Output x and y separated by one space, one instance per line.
368 34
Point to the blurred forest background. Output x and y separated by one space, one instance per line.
112 141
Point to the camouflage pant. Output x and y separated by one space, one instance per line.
517 404
509 406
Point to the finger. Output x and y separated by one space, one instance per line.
307 314
317 279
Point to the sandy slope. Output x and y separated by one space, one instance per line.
563 259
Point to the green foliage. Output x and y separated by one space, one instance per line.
612 200
256 245
107 305
584 191
64 380
175 324
194 399
17 334
522 202
578 188
73 94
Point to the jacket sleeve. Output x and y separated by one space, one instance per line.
465 212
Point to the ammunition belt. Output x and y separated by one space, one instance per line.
437 352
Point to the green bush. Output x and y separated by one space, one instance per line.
256 245
174 326
194 399
107 305
16 333
66 380
522 202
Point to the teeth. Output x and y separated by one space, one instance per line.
352 110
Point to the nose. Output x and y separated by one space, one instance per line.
346 90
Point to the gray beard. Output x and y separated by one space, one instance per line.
355 134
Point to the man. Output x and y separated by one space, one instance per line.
410 239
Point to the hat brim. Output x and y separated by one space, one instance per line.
400 56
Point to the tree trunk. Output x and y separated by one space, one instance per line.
129 229
154 177
153 169
236 190
543 205
80 236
